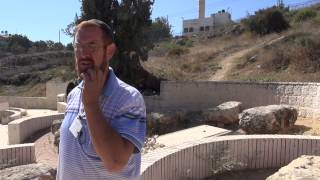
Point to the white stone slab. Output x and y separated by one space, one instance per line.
191 134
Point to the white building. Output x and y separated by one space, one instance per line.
205 24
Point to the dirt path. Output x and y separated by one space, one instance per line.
228 62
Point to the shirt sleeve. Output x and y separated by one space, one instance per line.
130 122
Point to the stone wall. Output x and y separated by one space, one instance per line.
200 95
4 106
15 155
206 157
21 129
48 102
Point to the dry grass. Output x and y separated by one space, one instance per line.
295 58
200 61
37 86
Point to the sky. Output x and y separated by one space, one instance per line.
44 19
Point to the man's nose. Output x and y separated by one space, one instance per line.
84 52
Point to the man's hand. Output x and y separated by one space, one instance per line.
113 149
94 80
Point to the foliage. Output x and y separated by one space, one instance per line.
160 29
69 47
57 46
18 44
267 21
40 46
305 14
129 19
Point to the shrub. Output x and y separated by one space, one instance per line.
266 21
177 51
304 14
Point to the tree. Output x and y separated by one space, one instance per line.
159 29
267 21
40 46
129 19
18 44
50 44
57 46
69 47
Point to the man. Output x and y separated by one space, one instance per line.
104 126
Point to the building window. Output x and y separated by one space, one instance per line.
191 29
201 28
207 28
185 30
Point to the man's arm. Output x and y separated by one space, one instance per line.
114 150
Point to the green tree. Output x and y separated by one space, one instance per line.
18 44
305 14
50 44
57 46
40 46
160 29
129 19
69 47
267 21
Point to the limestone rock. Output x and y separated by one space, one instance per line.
303 168
31 171
162 123
267 119
226 113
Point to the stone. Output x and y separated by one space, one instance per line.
56 138
166 122
56 125
30 171
55 130
302 168
225 113
267 119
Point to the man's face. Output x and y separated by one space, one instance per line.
90 49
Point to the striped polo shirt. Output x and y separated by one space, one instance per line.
124 109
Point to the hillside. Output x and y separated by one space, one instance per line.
291 55
26 74
237 54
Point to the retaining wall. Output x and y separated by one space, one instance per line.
200 95
4 106
48 102
206 157
15 155
21 129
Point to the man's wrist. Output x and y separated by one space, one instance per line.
91 105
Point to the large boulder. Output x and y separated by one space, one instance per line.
267 119
30 171
225 113
305 167
166 122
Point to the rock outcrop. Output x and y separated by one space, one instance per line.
305 167
31 171
225 113
267 119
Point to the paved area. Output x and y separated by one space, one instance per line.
30 112
191 134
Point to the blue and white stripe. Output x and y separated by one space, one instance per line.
124 109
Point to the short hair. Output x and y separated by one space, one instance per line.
106 30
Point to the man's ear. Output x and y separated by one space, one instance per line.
111 50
